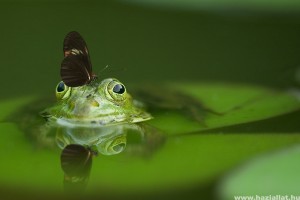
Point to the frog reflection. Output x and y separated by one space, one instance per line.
107 140
81 144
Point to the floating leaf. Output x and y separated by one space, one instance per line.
275 173
236 104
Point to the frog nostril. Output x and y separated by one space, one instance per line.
95 103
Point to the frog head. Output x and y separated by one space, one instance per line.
99 103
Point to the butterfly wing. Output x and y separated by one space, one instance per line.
76 68
74 72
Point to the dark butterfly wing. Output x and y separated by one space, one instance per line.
73 71
74 45
76 160
74 40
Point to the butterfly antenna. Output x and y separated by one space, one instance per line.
107 72
103 69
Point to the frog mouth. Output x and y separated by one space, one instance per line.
106 120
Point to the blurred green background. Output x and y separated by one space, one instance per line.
140 41
255 42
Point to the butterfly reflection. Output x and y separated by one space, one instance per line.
81 144
76 163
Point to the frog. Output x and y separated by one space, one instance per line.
92 116
97 114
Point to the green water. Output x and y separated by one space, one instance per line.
144 43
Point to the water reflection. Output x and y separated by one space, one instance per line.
81 144
76 163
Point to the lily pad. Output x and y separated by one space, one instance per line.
275 173
236 104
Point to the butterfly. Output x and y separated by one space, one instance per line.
76 67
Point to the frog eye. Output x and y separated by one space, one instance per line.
113 146
60 87
117 90
62 91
